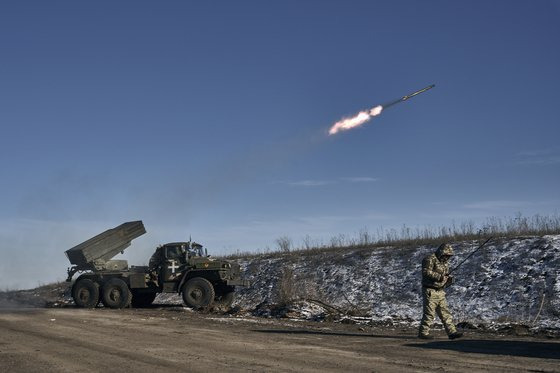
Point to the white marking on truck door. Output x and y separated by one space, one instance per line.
173 266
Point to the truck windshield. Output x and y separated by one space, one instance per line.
196 250
175 252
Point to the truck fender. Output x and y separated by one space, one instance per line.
187 277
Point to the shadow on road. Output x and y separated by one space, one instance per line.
339 334
544 350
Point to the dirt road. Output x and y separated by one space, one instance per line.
175 339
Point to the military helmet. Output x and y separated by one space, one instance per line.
444 249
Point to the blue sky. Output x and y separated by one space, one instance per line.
209 119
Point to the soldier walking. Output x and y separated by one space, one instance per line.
435 277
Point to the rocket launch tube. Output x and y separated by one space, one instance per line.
404 98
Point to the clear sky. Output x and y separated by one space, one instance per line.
210 118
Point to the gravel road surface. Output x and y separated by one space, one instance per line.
176 339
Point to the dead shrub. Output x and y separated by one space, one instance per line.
284 244
286 286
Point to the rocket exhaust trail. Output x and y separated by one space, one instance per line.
364 116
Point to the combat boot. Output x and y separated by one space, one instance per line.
455 335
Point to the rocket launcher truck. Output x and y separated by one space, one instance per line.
179 267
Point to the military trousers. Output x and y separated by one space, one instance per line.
435 303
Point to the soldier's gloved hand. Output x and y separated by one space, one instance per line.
449 281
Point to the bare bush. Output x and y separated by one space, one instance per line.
307 242
364 237
286 286
339 241
284 244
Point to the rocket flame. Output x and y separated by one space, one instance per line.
355 121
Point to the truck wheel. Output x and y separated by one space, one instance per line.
116 294
85 293
198 293
140 300
224 302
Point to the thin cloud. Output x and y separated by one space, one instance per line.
542 161
539 157
318 183
362 179
309 183
322 220
509 204
537 152
499 204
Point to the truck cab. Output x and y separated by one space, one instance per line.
169 262
179 265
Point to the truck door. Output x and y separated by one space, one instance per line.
173 263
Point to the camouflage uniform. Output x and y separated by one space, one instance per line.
434 270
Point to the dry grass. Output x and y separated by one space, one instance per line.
537 225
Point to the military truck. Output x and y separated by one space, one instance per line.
179 267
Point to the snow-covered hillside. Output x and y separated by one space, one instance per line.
510 280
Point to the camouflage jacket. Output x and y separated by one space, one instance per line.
433 272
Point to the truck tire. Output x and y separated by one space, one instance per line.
225 301
140 300
198 293
85 293
116 294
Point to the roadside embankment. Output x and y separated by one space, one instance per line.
513 280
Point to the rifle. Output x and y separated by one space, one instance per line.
450 279
471 254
